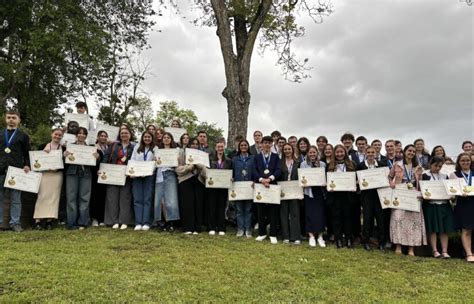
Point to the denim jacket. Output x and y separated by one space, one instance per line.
241 164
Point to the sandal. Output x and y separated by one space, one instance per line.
436 254
445 255
470 258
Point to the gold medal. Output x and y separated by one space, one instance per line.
266 171
131 170
12 181
7 150
304 181
190 159
158 161
282 194
427 193
365 183
409 186
71 157
36 165
332 185
386 201
210 182
258 197
123 159
467 189
244 172
452 190
103 176
232 194
396 202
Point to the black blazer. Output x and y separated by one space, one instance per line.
362 166
253 150
285 172
273 167
19 155
227 163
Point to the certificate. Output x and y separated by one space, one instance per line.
68 139
81 119
291 190
219 178
176 132
140 168
341 181
262 194
43 161
240 191
447 169
453 186
434 190
111 174
166 157
385 197
194 156
308 177
406 200
373 178
112 132
17 179
81 155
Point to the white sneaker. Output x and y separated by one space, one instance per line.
248 233
297 242
195 232
115 226
240 233
101 224
145 227
212 232
123 227
273 240
260 238
138 228
95 223
286 241
321 242
188 233
221 233
312 242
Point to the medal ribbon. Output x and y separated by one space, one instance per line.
390 163
266 160
467 178
8 141
145 154
408 176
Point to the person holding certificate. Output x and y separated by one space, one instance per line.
184 141
440 152
217 197
78 188
14 151
243 164
158 136
267 171
328 151
407 228
314 202
97 203
421 154
302 150
289 209
191 179
49 193
342 203
438 213
142 187
464 210
321 142
372 210
166 189
118 201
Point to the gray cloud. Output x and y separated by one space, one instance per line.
384 69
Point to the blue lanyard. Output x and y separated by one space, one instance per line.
8 141
145 154
409 176
390 163
467 178
266 160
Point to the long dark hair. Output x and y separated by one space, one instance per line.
414 160
298 145
161 145
458 161
141 147
99 134
238 146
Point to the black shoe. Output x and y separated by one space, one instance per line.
339 244
382 247
38 226
367 247
349 243
49 226
170 227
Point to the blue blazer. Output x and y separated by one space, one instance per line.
273 167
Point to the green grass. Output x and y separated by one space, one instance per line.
101 265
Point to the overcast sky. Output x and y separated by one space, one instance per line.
383 69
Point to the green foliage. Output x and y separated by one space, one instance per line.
40 135
142 115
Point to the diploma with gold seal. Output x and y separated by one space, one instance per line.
434 190
111 174
341 181
372 178
44 161
17 179
309 177
262 194
291 190
194 156
138 168
219 178
240 191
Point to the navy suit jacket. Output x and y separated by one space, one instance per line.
273 166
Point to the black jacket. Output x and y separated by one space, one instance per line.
19 155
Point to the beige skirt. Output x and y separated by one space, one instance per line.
49 194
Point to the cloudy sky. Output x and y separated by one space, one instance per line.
384 69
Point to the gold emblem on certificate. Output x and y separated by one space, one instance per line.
396 202
158 161
282 194
210 181
386 201
37 165
7 150
131 170
467 189
71 157
365 183
190 159
409 186
304 181
332 185
427 193
452 190
103 176
233 195
12 181
259 196
266 171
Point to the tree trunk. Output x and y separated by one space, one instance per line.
238 112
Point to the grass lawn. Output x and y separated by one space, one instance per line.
102 265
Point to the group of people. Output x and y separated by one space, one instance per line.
177 197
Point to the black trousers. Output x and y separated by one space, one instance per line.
342 206
191 198
356 224
216 209
372 210
268 213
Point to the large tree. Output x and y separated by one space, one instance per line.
239 23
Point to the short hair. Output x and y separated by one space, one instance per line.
397 142
220 140
376 140
201 132
292 137
81 104
84 130
281 138
465 143
347 135
275 133
361 138
417 140
323 138
267 139
436 160
12 112
390 140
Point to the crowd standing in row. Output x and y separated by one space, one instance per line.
177 196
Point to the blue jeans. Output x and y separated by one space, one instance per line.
243 214
168 192
142 192
78 193
15 203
